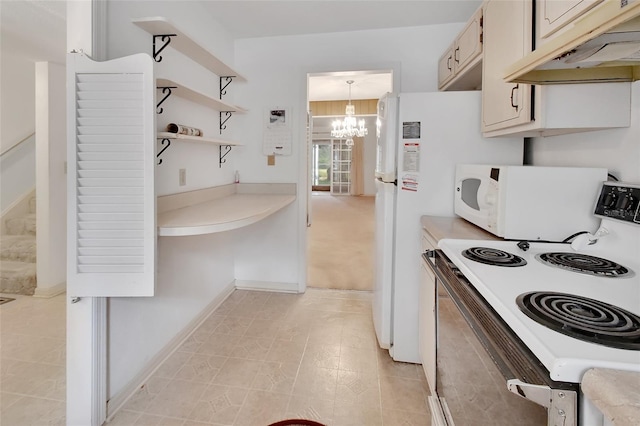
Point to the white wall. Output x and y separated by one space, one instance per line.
370 147
51 178
18 96
617 149
192 271
17 122
30 32
276 69
125 38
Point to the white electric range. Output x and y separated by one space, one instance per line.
556 311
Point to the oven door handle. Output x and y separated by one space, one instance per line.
539 394
429 256
561 404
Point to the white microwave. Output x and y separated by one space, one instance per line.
528 202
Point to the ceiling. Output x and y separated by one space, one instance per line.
37 29
245 19
333 86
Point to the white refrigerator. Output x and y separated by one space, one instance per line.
421 138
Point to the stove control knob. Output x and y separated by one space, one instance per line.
609 200
626 203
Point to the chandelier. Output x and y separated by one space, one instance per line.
349 127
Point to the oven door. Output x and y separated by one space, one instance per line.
432 294
475 373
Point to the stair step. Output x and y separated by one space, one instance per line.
20 248
32 205
17 277
25 225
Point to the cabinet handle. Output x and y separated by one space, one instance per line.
455 55
513 91
449 63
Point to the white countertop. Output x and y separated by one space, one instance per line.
221 209
616 394
440 227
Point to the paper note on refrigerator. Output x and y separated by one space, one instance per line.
411 157
409 182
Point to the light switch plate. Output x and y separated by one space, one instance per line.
182 177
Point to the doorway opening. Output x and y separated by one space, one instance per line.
341 190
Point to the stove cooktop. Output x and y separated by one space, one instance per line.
492 256
583 318
584 264
565 356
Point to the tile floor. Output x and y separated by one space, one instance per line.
32 361
259 358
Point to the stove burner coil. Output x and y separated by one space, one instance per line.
584 264
491 256
583 318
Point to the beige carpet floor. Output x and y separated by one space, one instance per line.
340 248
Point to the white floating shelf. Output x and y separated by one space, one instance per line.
221 208
159 25
186 138
198 97
224 214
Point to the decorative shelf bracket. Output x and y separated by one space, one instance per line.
223 122
163 149
166 91
166 39
225 81
227 149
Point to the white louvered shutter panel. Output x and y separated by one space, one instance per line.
111 161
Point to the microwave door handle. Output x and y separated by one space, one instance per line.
482 195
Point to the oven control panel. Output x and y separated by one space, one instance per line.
619 201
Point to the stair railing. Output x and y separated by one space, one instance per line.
11 148
17 166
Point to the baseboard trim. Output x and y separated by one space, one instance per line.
49 292
119 400
267 286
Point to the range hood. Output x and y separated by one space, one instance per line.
601 46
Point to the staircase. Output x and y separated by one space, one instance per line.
18 253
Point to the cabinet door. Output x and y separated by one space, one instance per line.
468 45
427 324
555 14
507 38
445 67
111 155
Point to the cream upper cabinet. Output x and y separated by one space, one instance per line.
512 109
507 38
459 68
468 45
445 67
555 14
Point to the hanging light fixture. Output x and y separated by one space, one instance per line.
349 127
